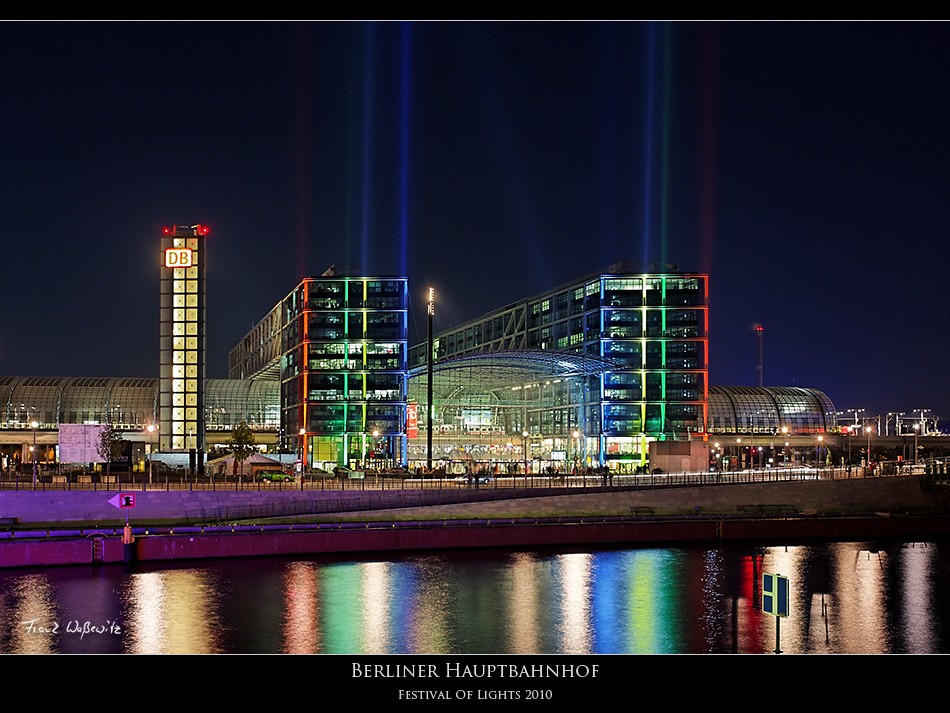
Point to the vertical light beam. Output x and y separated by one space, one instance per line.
648 144
404 146
367 146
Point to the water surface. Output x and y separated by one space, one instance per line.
846 598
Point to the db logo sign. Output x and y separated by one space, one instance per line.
178 257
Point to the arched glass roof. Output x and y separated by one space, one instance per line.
768 409
130 403
525 363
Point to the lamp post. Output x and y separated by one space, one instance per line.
430 357
916 431
785 450
34 424
375 457
151 430
524 446
818 453
303 436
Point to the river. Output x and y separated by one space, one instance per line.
855 597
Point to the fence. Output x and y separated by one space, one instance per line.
937 472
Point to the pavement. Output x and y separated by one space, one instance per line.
862 495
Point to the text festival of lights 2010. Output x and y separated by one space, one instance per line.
455 670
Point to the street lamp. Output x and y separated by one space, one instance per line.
375 457
524 446
916 431
303 433
151 430
34 424
818 453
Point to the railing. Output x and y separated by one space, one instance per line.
936 472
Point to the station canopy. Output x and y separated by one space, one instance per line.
491 370
543 392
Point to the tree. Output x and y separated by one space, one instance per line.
111 446
242 444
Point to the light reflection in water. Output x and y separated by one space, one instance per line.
574 603
33 610
916 591
173 612
301 630
376 601
846 598
523 605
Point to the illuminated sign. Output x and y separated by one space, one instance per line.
412 421
123 500
178 257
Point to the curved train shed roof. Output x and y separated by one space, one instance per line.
523 363
768 409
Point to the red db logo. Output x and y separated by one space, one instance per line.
178 257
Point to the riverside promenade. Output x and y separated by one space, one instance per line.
82 527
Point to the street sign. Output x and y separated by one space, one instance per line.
775 598
123 500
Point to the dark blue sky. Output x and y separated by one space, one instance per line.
805 166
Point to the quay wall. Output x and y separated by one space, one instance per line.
211 506
183 525
107 547
891 494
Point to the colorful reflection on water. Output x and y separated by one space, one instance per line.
846 598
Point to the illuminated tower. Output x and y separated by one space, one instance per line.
182 374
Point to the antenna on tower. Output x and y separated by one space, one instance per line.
758 332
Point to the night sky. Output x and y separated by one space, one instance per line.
804 166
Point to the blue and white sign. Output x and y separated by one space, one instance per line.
775 599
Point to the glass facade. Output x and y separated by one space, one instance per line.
652 324
342 368
182 365
509 410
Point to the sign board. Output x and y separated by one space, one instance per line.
79 443
775 599
412 421
123 500
178 257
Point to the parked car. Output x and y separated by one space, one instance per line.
274 476
472 478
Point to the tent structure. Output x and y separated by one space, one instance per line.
255 463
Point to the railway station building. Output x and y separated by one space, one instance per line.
587 374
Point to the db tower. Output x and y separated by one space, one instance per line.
181 395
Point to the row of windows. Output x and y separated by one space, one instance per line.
345 293
344 418
605 324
